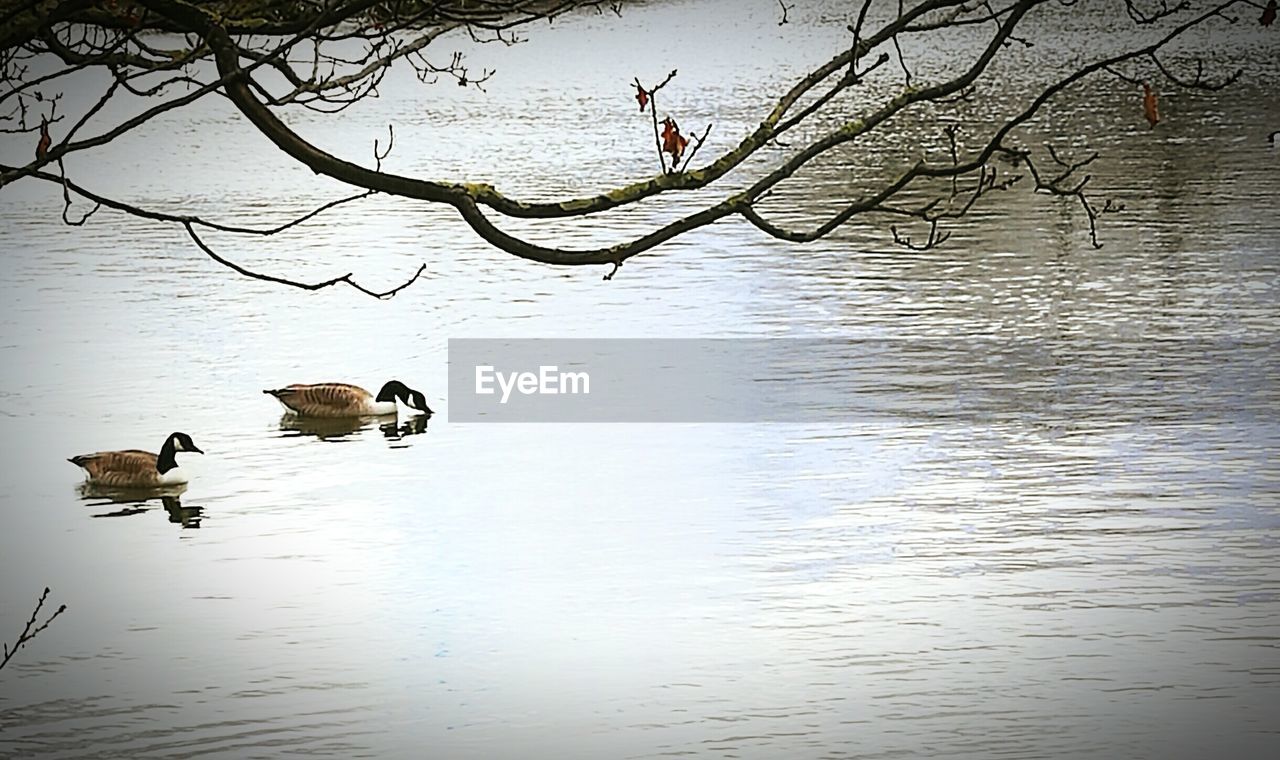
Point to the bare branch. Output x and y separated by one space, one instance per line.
344 279
933 241
1058 185
326 55
31 629
161 216
1199 83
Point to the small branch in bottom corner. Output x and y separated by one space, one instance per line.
32 629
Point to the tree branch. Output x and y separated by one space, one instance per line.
31 629
262 50
344 279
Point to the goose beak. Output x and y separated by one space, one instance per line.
196 450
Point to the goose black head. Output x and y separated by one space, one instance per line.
173 444
394 389
418 401
183 442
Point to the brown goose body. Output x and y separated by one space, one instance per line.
134 468
120 469
334 400
330 400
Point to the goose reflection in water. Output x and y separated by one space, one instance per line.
326 429
412 426
135 501
345 428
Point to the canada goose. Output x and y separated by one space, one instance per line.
137 469
1271 138
343 400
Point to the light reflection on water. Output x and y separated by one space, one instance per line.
1079 564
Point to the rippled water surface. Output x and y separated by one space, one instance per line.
1060 541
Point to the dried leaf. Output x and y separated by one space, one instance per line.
673 142
42 147
1150 106
1268 14
642 97
682 142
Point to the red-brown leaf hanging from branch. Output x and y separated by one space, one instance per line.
42 147
673 142
1268 14
642 97
1150 107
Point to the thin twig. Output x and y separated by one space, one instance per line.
31 629
346 278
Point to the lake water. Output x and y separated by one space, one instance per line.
1073 556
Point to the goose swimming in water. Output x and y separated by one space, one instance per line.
343 400
137 469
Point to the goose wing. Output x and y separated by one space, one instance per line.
118 467
324 399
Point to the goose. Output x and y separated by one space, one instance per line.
137 469
343 400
